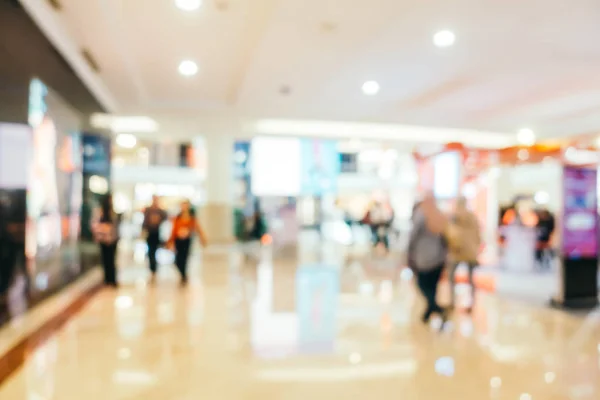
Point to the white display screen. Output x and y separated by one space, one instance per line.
15 153
276 168
446 182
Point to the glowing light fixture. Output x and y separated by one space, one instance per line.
523 155
188 5
355 358
121 124
370 88
98 184
126 140
444 38
188 68
541 197
526 137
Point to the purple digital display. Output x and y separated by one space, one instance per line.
580 217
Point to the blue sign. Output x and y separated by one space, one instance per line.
96 155
317 291
242 177
241 159
320 166
37 102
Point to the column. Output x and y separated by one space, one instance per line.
217 213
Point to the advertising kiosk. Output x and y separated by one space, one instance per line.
578 272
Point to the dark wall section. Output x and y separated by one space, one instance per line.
26 53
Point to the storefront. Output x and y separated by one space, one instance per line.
515 192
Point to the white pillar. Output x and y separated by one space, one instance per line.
217 213
493 211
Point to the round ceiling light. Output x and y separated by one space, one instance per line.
526 137
188 5
444 38
126 140
370 88
188 68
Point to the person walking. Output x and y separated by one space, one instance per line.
427 251
544 231
380 217
154 216
184 227
464 241
105 228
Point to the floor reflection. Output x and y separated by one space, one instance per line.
284 329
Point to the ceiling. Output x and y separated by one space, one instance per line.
25 53
525 63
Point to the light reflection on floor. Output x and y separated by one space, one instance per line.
279 330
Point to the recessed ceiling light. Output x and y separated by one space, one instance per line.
370 88
526 137
444 38
188 68
188 5
126 140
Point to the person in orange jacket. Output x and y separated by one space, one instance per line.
184 227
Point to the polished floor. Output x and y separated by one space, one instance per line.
279 330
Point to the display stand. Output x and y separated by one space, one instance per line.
518 255
578 273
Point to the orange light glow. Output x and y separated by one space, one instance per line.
266 239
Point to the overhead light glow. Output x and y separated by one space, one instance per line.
541 197
523 155
98 184
355 358
382 132
122 124
444 38
526 137
188 68
370 88
126 140
188 5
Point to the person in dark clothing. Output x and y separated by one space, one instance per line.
545 228
259 227
154 216
106 232
427 252
12 239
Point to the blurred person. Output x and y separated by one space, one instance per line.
427 252
105 228
12 240
464 241
154 216
184 227
257 225
544 229
380 217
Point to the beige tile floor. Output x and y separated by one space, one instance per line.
276 331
